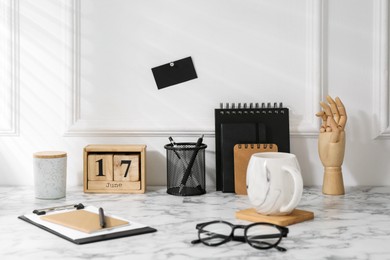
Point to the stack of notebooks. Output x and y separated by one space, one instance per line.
253 128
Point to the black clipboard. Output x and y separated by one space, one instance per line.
96 236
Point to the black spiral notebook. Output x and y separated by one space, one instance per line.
247 123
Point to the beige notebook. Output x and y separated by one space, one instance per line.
242 155
83 220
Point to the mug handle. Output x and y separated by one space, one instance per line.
298 189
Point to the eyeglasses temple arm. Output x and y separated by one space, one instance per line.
266 236
213 235
196 241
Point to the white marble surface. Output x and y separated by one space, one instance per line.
353 226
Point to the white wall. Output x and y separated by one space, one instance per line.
78 72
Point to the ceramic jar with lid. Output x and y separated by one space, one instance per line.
49 169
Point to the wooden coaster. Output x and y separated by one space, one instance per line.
296 216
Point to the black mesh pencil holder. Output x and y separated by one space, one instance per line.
186 169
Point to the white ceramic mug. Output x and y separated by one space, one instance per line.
274 182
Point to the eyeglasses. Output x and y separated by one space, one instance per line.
260 235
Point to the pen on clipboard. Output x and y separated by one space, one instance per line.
102 220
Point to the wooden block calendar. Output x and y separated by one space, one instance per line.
114 168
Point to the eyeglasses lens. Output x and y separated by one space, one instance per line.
214 234
263 236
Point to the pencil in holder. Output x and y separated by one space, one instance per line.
186 169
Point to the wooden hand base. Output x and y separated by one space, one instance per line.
333 181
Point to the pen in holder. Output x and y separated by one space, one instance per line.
186 168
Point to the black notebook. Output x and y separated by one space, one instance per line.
246 124
231 134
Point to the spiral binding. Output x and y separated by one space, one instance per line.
253 146
252 108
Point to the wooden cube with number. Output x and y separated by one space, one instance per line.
100 167
114 168
126 167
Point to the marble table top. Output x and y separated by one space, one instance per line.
352 226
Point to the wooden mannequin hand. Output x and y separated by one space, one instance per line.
331 153
331 140
331 144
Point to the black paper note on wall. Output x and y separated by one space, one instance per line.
174 73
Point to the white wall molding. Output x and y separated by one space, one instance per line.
381 69
307 126
71 9
9 97
314 70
